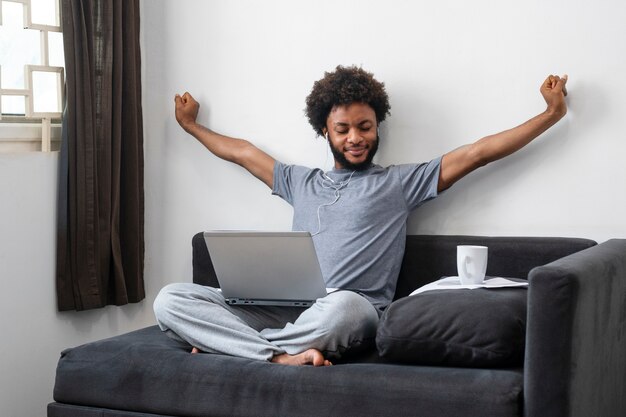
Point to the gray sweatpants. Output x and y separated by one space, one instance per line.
200 316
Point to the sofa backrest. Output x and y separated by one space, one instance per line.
429 257
202 267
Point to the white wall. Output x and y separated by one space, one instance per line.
455 71
32 332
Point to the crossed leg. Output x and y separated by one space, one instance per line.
292 336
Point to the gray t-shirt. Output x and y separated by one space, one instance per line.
360 238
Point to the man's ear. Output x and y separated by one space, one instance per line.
325 132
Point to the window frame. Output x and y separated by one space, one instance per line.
34 131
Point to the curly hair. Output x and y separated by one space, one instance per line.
344 86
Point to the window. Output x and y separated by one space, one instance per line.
31 75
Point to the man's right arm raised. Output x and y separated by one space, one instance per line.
239 151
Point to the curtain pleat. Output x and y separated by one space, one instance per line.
101 196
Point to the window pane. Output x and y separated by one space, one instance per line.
20 47
55 49
17 46
12 77
45 92
44 12
13 105
12 15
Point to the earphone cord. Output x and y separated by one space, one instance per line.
337 196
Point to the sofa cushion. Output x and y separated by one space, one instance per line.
470 328
147 372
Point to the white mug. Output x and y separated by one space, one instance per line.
471 263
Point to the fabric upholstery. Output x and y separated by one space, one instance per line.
145 371
203 272
430 257
473 328
575 357
65 410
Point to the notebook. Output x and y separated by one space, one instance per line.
266 268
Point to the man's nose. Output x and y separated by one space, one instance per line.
354 137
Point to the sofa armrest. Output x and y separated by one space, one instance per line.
575 362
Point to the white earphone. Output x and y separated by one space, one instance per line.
337 187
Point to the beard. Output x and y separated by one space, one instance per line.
343 161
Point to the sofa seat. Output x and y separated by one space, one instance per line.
148 373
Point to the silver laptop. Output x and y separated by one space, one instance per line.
266 268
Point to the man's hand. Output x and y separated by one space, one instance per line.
186 110
553 91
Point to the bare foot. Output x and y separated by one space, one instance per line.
308 357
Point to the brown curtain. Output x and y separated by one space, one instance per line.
100 246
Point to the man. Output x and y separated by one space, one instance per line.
356 213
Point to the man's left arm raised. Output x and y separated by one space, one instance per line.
461 161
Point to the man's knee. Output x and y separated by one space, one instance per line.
351 313
175 298
164 301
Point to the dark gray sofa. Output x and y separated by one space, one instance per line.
574 362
